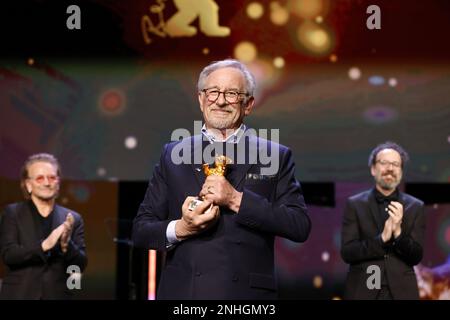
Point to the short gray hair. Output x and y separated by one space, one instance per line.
228 63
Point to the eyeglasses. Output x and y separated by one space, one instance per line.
230 96
385 163
40 179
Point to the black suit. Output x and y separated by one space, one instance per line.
235 258
33 273
362 246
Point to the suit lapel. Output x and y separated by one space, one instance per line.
406 213
197 155
59 216
28 221
374 211
402 200
246 144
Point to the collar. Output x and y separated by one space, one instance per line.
233 138
35 210
381 198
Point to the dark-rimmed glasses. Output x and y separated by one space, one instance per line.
230 96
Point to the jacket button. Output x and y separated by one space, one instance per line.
238 242
198 274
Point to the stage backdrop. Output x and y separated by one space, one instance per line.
103 85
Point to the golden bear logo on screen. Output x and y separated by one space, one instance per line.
178 25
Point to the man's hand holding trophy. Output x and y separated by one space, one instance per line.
199 215
220 169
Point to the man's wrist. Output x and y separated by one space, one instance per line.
44 246
397 232
180 232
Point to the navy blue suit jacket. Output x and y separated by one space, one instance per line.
235 258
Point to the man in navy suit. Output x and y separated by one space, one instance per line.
39 239
224 247
383 232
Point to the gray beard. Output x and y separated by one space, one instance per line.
221 124
387 186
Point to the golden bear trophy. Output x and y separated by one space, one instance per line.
220 168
